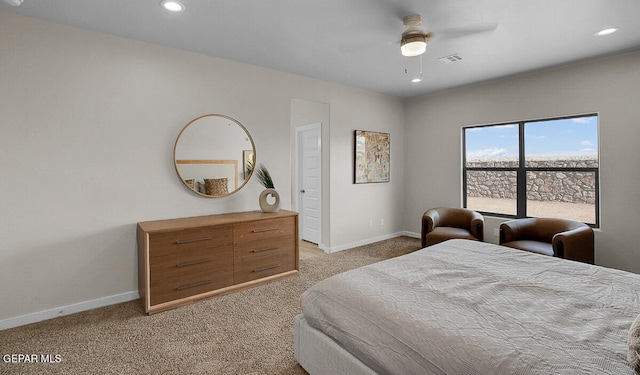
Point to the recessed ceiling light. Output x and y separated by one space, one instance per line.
416 80
607 31
172 5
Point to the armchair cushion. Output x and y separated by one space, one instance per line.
444 223
533 246
561 238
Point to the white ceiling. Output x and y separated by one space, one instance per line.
355 42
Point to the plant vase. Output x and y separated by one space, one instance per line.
265 206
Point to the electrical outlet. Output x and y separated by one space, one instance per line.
381 221
496 232
370 223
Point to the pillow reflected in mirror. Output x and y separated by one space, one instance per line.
216 187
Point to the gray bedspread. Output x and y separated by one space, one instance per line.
463 307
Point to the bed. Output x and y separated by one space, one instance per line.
466 307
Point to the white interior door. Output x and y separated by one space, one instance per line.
309 181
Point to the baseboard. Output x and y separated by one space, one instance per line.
368 241
67 310
412 234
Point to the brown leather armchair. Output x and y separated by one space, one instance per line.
444 223
560 238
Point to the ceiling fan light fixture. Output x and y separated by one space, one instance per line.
172 5
413 45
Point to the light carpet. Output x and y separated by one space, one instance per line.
249 332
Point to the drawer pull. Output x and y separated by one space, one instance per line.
194 285
266 268
264 230
180 242
265 249
185 264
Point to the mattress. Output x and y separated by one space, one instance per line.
466 307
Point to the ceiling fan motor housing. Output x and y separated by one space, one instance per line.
413 41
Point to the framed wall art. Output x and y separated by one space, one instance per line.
372 157
248 160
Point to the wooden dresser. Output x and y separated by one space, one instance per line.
181 261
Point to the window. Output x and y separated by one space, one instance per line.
540 168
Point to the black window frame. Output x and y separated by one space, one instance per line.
521 170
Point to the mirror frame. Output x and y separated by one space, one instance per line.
175 147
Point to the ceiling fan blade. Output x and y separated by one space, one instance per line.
459 32
366 46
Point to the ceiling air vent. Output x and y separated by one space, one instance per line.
450 59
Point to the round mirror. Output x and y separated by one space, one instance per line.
211 155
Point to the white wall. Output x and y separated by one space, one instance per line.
355 206
87 127
362 213
608 86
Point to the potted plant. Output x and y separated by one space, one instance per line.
264 178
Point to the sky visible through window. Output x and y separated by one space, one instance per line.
573 137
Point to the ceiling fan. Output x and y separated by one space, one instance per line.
414 40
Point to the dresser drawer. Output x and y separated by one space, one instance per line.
191 261
265 266
255 250
263 229
179 241
190 285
